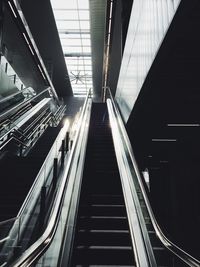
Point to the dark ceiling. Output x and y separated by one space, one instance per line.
16 50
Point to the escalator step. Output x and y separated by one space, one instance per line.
102 210
89 265
104 237
106 223
107 199
104 255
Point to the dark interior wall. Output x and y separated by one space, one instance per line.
170 94
17 53
121 16
116 47
41 22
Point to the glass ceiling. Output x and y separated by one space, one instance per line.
73 23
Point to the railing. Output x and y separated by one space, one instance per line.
120 133
23 140
58 115
6 123
20 226
12 110
26 136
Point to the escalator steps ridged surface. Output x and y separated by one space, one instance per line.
102 235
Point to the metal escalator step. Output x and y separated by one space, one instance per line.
106 231
107 199
101 255
104 217
103 222
89 265
159 248
107 206
106 247
103 210
104 237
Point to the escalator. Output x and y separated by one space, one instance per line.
102 235
101 216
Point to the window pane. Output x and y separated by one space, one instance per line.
61 24
86 49
83 4
70 42
85 25
69 36
84 14
64 4
86 42
66 14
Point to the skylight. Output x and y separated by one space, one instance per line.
73 23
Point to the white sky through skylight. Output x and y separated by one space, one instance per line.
73 23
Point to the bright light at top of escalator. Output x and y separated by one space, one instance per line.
73 23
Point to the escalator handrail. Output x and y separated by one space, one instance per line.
142 249
27 141
24 118
184 256
35 250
